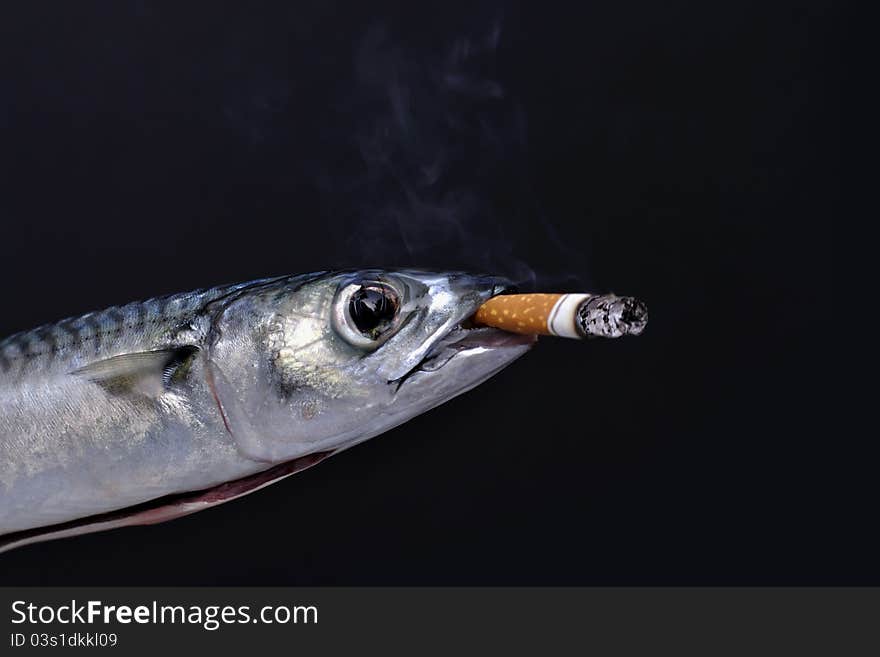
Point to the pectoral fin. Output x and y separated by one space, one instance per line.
147 373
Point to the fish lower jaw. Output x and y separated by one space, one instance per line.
463 341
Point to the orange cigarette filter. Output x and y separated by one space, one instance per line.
519 313
564 315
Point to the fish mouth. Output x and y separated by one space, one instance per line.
464 338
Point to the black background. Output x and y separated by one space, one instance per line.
686 153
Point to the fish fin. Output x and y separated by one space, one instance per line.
147 373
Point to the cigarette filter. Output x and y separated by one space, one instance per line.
565 315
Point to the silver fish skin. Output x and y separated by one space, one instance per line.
148 411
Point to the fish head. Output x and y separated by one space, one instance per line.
323 363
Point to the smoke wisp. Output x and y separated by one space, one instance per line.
434 173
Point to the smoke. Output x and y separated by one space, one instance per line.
434 173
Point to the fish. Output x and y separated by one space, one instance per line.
153 410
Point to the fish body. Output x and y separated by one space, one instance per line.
144 412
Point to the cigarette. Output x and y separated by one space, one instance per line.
565 315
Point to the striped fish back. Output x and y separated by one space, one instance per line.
95 334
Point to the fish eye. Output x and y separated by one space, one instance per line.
366 312
372 307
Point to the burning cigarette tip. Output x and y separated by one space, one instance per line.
609 316
565 315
